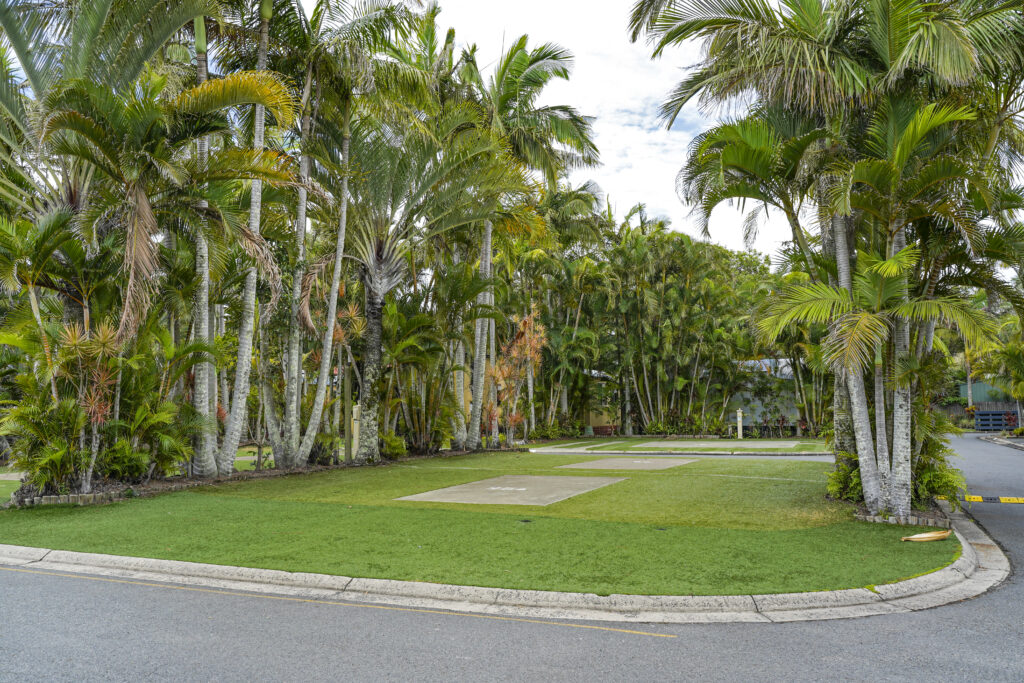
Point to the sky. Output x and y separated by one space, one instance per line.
618 84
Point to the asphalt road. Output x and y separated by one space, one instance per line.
56 628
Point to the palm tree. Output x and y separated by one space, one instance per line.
27 261
760 158
133 144
862 325
427 186
546 138
237 414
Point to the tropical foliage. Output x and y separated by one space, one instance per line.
257 220
887 135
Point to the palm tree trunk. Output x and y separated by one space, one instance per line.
293 392
94 450
899 501
532 425
34 303
275 433
459 389
881 428
211 377
347 398
855 385
237 415
627 416
332 302
480 347
205 460
494 385
369 450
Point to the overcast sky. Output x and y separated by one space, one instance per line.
616 82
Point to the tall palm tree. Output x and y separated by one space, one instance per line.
134 144
428 185
237 415
861 326
545 138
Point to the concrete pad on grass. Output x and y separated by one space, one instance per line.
725 444
628 464
515 490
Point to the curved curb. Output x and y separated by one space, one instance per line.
981 566
1000 441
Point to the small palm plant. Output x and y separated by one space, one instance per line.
862 330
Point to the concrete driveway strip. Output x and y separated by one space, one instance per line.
628 464
515 489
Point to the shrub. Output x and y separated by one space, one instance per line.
935 476
844 480
46 443
393 446
656 427
122 462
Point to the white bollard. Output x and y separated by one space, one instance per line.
739 423
356 412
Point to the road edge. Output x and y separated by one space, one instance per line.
981 566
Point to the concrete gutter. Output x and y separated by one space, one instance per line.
981 566
1000 441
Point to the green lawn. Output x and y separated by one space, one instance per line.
250 452
710 527
6 489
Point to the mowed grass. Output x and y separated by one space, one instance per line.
6 489
710 527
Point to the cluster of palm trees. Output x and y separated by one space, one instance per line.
888 135
216 215
225 222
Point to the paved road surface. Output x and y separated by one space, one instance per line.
55 628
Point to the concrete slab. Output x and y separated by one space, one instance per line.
514 489
724 444
628 464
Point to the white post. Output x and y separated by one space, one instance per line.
356 413
739 423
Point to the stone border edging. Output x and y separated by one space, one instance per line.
912 520
981 566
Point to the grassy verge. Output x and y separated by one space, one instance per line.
710 527
6 489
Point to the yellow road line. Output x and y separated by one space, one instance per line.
286 598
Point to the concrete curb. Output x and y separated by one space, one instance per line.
999 441
982 565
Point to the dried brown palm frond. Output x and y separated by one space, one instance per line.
140 262
257 248
313 273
